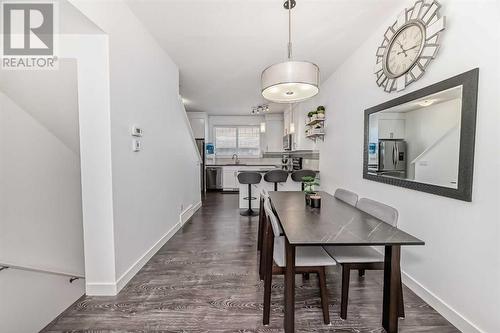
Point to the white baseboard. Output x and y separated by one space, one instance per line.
100 289
459 321
111 289
189 212
136 267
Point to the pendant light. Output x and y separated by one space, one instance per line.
290 81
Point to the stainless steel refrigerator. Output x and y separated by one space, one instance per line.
392 158
201 148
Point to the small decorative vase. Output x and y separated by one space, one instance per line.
315 201
308 199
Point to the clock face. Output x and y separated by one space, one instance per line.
409 45
404 49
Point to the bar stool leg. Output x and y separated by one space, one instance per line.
250 199
249 211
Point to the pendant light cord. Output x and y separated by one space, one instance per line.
289 29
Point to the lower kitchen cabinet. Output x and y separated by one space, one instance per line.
229 179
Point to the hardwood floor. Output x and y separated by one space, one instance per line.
205 279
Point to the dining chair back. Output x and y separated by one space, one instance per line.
381 211
363 257
277 231
346 196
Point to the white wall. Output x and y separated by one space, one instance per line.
424 127
300 112
458 269
153 187
40 220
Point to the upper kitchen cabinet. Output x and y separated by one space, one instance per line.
274 132
199 124
391 129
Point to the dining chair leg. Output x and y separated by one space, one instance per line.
361 272
268 273
401 305
261 220
346 274
324 295
262 235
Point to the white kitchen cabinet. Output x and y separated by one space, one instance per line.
274 133
229 178
391 129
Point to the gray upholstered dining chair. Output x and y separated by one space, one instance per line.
363 257
260 232
308 259
346 196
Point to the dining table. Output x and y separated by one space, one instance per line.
340 224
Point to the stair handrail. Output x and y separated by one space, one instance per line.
73 277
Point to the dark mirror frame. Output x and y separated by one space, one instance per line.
469 82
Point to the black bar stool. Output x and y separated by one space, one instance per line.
249 178
276 176
299 174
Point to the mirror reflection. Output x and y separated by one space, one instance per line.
419 140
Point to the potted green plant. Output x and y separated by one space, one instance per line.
309 184
321 112
310 116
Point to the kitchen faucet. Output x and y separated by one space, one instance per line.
236 159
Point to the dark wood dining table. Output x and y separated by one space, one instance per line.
337 223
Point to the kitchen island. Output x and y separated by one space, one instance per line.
289 185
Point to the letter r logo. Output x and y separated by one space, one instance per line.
28 28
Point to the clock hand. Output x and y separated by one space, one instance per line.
404 51
411 48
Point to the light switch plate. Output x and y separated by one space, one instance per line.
136 131
136 145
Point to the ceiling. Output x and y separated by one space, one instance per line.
222 46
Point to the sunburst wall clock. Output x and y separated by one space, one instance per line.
409 46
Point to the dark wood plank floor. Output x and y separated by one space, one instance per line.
205 280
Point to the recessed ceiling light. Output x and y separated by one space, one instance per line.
426 102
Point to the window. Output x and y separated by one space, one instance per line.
244 141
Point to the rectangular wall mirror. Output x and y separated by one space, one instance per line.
425 140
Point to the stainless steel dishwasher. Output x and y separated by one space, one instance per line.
214 178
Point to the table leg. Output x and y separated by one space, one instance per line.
392 280
289 288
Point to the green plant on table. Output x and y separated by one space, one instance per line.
309 184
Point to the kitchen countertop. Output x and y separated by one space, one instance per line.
243 164
266 170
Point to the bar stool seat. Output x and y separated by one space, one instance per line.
299 174
276 176
250 178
